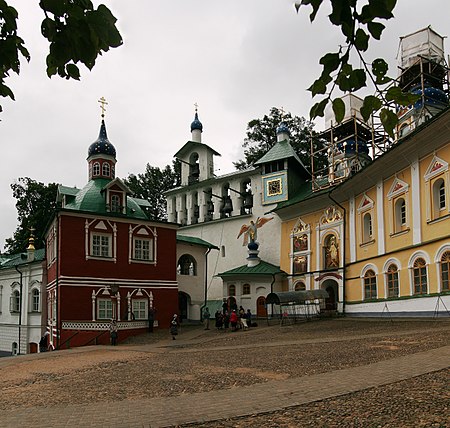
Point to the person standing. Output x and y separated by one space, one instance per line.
249 318
43 343
113 332
233 320
151 319
206 316
174 326
224 306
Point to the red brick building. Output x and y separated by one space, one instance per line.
106 259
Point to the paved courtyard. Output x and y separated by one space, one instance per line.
326 373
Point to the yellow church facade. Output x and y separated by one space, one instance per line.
378 241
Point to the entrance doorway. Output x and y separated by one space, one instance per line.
331 287
183 301
261 309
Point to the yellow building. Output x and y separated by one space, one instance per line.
373 229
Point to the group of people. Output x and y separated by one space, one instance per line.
236 319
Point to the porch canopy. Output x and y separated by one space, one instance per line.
295 297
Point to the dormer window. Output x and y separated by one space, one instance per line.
115 204
106 170
96 169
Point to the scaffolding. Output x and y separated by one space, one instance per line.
350 145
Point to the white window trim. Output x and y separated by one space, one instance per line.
364 270
94 165
100 229
35 286
437 261
108 300
412 259
145 301
141 231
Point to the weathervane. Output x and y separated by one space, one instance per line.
103 102
196 107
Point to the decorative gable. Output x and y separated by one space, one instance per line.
437 166
101 226
300 226
398 187
365 204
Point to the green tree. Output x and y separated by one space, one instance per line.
261 137
76 30
35 203
359 21
152 184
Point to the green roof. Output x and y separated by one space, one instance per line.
11 260
91 199
195 241
262 268
281 150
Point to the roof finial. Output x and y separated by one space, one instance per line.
103 102
196 107
31 239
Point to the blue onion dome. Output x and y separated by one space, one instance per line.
196 124
283 129
102 146
350 147
430 96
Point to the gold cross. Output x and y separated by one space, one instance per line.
103 102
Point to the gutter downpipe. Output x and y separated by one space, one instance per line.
206 284
20 304
343 248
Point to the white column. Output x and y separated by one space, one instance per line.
352 229
380 218
415 199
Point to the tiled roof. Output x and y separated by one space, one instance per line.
91 199
262 268
8 261
195 241
281 150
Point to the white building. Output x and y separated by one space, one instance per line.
22 306
214 209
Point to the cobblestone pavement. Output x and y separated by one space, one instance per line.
331 373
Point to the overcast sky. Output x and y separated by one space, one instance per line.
235 58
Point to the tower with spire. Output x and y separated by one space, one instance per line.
113 259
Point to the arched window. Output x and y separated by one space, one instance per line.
232 290
106 171
35 304
300 286
14 304
96 169
445 269
187 265
439 201
370 285
246 289
392 281
400 214
367 227
420 276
